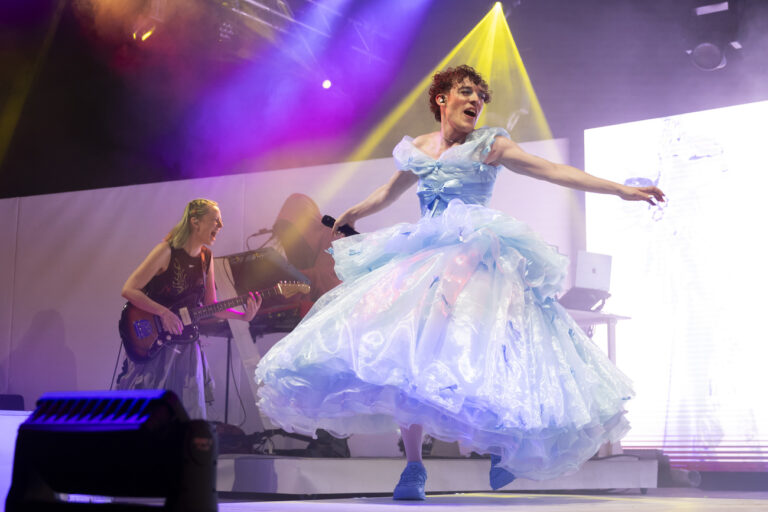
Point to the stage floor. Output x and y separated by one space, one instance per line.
664 500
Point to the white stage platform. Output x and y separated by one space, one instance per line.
262 474
9 427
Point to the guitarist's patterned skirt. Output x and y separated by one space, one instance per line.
181 368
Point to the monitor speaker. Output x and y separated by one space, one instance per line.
118 444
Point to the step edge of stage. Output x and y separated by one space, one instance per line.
269 474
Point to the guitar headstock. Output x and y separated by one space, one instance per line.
289 288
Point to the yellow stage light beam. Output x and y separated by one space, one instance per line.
489 48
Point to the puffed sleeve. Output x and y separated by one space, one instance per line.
409 158
486 139
403 153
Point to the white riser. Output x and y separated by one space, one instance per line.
296 475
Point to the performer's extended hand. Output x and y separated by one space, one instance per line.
171 322
252 306
648 194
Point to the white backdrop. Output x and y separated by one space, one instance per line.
66 256
691 273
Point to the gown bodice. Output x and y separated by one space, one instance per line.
459 173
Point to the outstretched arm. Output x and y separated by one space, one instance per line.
379 199
512 156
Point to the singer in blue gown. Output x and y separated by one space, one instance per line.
451 325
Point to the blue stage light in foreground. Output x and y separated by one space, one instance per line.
326 84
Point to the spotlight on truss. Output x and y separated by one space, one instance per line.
713 33
149 20
143 30
708 56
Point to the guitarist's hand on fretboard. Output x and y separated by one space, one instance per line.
252 306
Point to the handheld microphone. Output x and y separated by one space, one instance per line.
345 230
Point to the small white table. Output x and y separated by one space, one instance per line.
589 318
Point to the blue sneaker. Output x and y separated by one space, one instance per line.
411 484
499 476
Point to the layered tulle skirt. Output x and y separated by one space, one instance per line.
450 323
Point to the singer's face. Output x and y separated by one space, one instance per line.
208 226
463 105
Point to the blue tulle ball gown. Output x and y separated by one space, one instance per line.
451 323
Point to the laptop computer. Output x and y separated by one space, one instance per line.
591 282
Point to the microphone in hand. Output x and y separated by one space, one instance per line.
345 230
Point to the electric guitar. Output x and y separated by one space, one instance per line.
143 334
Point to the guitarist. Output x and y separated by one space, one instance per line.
179 268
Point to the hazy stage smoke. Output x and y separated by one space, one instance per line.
109 19
753 35
113 20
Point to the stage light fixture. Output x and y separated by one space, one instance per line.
711 8
143 29
116 444
326 84
713 32
149 19
708 56
226 31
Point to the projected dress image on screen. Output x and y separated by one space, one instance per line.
689 272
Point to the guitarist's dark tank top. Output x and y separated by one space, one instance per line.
182 280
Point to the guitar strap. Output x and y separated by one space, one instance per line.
202 267
199 292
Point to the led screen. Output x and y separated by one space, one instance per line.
691 273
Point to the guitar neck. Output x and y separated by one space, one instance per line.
203 312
